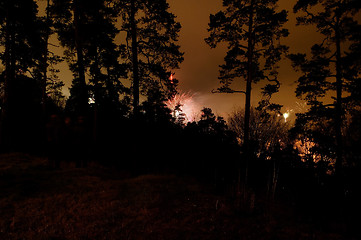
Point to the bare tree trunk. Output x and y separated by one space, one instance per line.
5 130
43 83
338 117
338 120
274 179
247 114
134 59
247 200
97 87
45 61
83 95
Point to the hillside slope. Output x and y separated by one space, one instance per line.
101 203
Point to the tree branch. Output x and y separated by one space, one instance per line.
54 45
226 90
273 80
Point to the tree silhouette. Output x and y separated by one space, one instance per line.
21 37
213 147
267 131
47 32
88 30
252 30
332 70
151 49
69 22
51 85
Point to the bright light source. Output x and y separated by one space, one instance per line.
171 78
189 106
91 100
286 115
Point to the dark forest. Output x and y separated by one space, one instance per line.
122 157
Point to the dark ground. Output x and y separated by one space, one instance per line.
37 202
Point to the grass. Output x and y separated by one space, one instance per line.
101 203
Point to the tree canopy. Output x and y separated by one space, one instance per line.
329 80
151 51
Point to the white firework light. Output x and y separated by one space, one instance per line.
301 107
286 115
188 106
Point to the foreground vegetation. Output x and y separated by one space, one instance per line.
37 202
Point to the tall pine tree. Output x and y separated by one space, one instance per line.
330 76
21 39
151 50
87 30
252 30
69 22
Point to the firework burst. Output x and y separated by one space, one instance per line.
301 107
184 105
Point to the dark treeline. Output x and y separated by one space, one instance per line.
116 113
102 68
318 159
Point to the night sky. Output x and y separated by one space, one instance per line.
199 71
198 74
